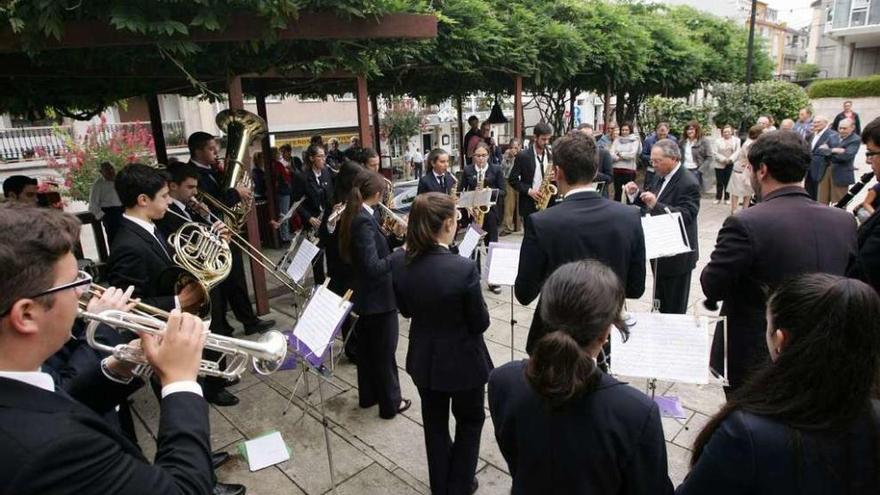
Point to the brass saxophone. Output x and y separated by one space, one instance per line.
547 189
389 219
479 212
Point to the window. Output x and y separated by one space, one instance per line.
859 13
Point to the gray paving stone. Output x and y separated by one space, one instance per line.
375 480
267 481
493 481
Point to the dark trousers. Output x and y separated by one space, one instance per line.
812 186
417 170
673 292
621 177
722 176
452 464
234 292
112 219
376 363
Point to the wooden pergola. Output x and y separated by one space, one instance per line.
308 26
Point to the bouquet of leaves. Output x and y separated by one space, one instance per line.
80 162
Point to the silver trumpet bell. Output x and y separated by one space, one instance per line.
266 355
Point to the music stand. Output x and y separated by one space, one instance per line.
503 261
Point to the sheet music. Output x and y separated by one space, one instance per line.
290 211
471 240
470 199
664 235
503 263
265 451
302 260
663 346
322 316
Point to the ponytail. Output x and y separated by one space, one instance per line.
366 184
560 369
426 218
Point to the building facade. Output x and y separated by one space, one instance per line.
847 37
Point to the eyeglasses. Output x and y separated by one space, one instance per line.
82 283
869 154
480 155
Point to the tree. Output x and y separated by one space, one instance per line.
778 99
400 123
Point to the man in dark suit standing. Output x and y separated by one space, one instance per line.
233 290
528 169
438 179
52 442
866 266
674 190
784 235
818 183
584 225
316 183
843 157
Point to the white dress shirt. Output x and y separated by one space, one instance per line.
817 137
369 209
576 190
44 381
632 197
539 170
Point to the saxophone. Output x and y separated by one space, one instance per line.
453 193
479 212
547 189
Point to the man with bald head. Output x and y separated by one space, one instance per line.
820 160
786 125
843 158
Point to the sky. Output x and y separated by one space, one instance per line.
797 13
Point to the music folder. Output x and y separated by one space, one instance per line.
503 263
665 235
471 199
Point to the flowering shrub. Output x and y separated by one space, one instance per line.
80 163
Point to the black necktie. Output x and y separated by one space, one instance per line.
659 186
443 183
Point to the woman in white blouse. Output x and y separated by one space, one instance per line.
726 148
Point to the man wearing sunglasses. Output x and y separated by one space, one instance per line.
51 442
867 263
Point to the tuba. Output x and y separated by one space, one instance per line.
242 128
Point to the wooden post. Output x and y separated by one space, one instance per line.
156 127
268 169
363 111
461 149
517 107
377 138
258 275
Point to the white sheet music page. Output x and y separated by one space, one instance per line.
302 260
322 316
663 235
503 263
470 241
663 346
265 451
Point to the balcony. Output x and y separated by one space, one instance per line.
856 21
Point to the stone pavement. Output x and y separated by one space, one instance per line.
372 455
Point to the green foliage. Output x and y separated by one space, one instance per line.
778 99
676 111
804 72
845 88
400 122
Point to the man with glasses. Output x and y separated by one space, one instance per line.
52 443
482 174
867 263
316 185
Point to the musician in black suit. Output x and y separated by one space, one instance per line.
606 163
316 187
584 225
438 179
784 235
447 357
562 424
807 423
233 290
365 247
140 254
51 442
866 266
674 190
528 170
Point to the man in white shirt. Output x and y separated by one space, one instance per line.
104 202
52 442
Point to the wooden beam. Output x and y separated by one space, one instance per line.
377 144
242 27
236 97
461 148
363 111
517 107
268 168
156 127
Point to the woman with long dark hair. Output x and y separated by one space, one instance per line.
807 423
447 357
363 245
562 424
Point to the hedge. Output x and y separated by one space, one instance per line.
845 88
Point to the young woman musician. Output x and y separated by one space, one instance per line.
365 247
562 424
447 357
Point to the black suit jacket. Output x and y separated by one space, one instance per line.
428 183
446 348
755 454
866 265
523 174
137 258
338 271
682 194
371 267
584 225
494 180
317 195
54 444
609 441
784 235
211 182
170 223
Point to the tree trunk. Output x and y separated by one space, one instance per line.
571 95
606 108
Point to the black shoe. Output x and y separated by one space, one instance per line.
222 328
229 489
223 399
234 381
495 289
474 486
219 458
258 326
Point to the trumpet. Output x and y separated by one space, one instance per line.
179 279
333 218
266 355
